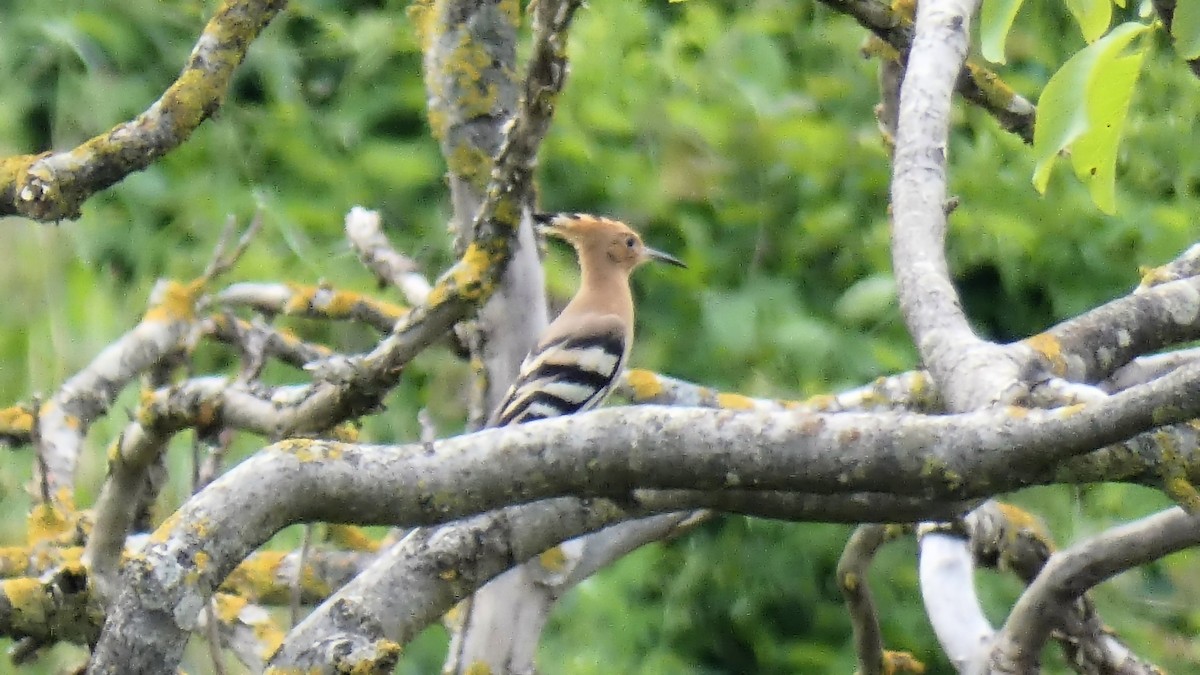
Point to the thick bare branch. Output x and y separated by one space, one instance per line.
603 453
464 555
947 576
970 372
54 185
1088 348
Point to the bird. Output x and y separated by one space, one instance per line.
579 357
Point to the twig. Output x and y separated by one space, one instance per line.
220 263
214 637
852 570
35 437
364 230
298 578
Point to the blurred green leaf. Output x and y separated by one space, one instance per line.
1093 16
995 21
1186 29
1093 121
867 300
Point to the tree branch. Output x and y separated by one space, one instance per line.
948 589
605 453
54 185
314 302
1005 537
64 420
969 371
1070 573
906 391
852 570
364 231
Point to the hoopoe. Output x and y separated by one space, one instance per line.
583 351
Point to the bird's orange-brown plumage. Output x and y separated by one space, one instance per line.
583 351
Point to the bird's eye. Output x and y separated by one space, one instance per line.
631 242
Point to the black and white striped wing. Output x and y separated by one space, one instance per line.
566 375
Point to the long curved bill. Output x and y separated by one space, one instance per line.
664 257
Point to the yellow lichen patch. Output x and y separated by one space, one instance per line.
1051 349
1174 471
873 46
352 538
70 555
850 581
257 576
553 560
229 606
13 169
906 10
1073 409
16 421
936 468
178 302
347 432
65 500
466 64
820 402
469 162
421 13
201 528
342 304
448 574
1016 412
14 560
1019 520
512 11
919 385
645 384
478 668
165 528
270 637
470 272
301 299
1153 276
307 450
453 618
734 401
995 91
47 522
901 662
27 597
261 577
1180 489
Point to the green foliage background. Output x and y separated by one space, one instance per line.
738 135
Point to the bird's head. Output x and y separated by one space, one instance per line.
604 238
